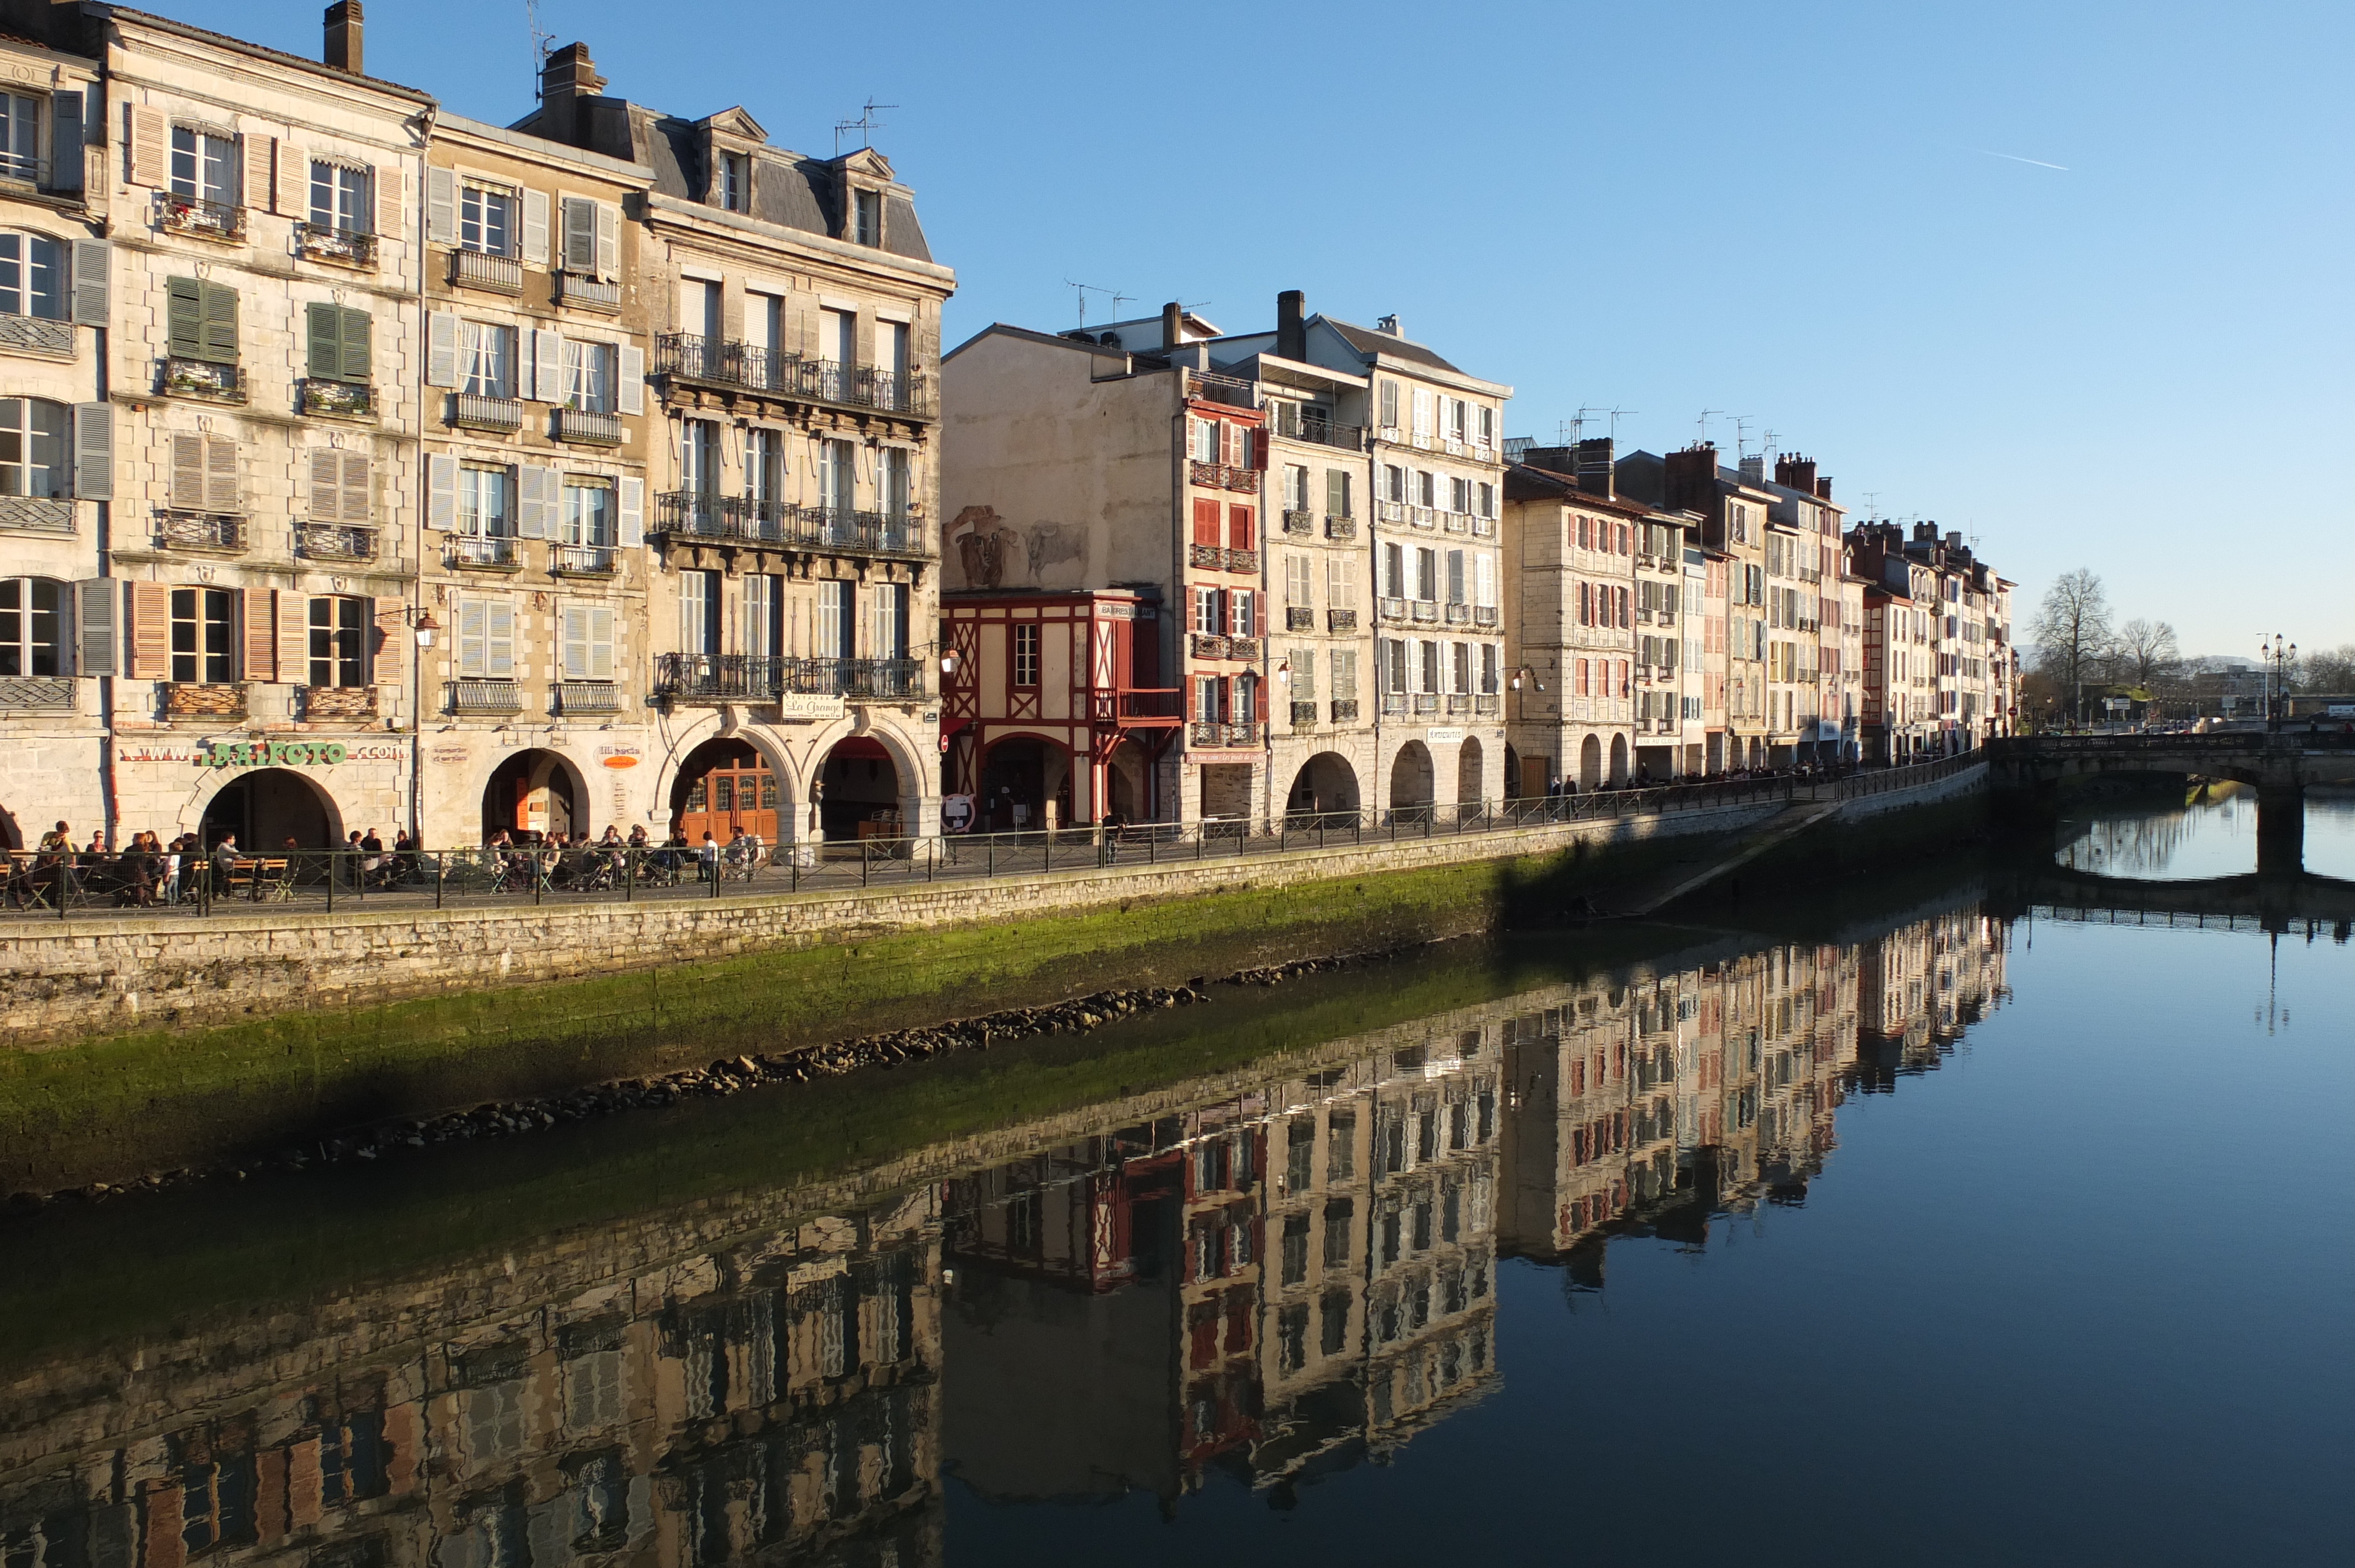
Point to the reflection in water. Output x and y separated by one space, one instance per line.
2212 834
1294 1274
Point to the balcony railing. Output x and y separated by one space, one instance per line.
1390 608
582 560
1425 609
188 699
1427 702
586 293
1340 620
481 269
1394 701
346 703
321 242
1484 527
1341 527
1459 614
1345 710
579 697
1226 389
478 696
47 692
1222 476
1483 615
1457 521
201 378
334 542
1304 713
589 427
1393 511
1459 701
1299 618
699 358
1147 702
733 519
472 412
1302 525
339 399
1209 645
36 335
1204 733
199 217
495 553
1422 517
200 531
36 513
1294 423
744 677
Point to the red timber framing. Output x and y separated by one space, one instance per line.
1045 691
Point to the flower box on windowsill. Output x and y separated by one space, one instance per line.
471 552
334 542
202 378
317 242
198 218
339 399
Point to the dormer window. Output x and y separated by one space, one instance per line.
735 182
867 217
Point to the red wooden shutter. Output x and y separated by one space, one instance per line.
1239 527
391 638
261 636
1206 522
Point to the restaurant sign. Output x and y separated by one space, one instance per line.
290 754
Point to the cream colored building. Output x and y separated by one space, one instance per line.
261 367
536 488
60 614
791 578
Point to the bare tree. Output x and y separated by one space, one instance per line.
2072 632
2145 652
2328 670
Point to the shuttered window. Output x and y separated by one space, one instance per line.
339 487
588 643
340 340
204 632
204 473
487 640
338 640
202 320
580 253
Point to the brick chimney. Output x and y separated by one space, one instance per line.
1795 473
1594 469
1690 480
569 77
1172 316
344 37
1823 490
1291 325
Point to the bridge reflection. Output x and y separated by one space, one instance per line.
2283 902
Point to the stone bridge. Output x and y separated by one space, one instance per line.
2279 765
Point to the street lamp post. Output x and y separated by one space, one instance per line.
2280 653
422 626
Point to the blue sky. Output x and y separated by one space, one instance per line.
2137 361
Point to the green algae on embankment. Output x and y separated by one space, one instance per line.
163 1099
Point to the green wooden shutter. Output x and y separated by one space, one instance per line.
326 357
186 317
356 334
220 304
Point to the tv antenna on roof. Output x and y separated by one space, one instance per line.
1872 506
865 125
1740 435
1706 415
1085 289
543 42
1617 414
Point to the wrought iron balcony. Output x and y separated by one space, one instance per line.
1484 527
196 217
1390 608
1427 702
1148 703
743 677
732 519
1293 423
322 243
1456 522
1394 701
495 553
36 335
472 412
1223 476
1425 609
1341 527
1421 517
1483 615
588 426
1222 735
201 378
693 358
193 699
481 269
339 399
1459 701
1302 525
583 292
581 697
1209 645
1345 710
1340 620
1227 390
1304 713
1393 511
1299 618
217 531
1459 614
480 696
582 560
325 702
334 542
36 513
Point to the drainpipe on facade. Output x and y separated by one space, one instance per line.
103 531
1182 595
423 120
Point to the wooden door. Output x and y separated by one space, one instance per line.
733 794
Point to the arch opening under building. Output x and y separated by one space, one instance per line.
534 794
1469 760
726 787
1411 779
270 805
858 791
1326 783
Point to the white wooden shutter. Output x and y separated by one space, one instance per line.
441 492
94 451
601 642
95 601
441 206
65 141
92 264
547 366
535 228
392 635
358 502
149 135
609 240
499 641
293 638
221 473
187 488
326 485
441 349
633 379
384 198
538 490
576 641
293 182
473 625
577 242
633 509
258 178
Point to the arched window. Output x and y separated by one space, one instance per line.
32 460
32 275
36 627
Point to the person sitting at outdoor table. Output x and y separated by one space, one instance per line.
371 856
226 859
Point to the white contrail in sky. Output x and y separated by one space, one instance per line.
2018 159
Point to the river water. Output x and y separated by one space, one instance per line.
1950 1232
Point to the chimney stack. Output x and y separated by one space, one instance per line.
1823 490
344 37
1173 315
1389 324
1594 469
1291 325
1689 480
1754 470
1954 539
568 78
1795 473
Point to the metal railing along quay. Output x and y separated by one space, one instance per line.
57 885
